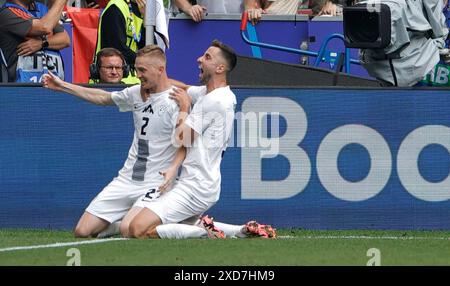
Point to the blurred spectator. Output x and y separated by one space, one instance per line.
121 26
197 9
109 66
222 6
255 8
31 38
325 7
94 4
447 19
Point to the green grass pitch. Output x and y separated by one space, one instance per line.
294 247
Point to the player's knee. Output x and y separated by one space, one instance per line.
136 229
82 232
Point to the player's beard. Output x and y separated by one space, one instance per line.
205 77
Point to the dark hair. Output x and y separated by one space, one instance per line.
228 54
109 52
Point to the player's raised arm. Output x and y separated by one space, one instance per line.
93 95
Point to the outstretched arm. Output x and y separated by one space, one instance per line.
93 95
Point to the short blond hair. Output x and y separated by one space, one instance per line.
152 50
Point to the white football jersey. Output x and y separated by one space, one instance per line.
152 150
212 117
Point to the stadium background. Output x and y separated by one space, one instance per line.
188 40
58 152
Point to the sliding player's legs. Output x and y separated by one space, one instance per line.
172 207
125 224
109 206
90 225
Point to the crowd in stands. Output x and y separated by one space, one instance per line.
31 38
31 33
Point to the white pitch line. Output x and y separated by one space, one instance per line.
369 237
63 244
60 244
286 236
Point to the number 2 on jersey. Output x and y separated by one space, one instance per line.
146 119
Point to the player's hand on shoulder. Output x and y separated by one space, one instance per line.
181 97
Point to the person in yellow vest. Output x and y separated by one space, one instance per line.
121 27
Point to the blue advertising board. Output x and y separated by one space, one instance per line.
303 158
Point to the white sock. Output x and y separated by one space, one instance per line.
231 230
112 229
179 231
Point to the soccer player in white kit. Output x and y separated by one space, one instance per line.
152 151
205 133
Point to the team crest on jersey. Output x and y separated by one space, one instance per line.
162 109
148 109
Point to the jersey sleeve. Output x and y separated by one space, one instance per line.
175 110
124 99
15 21
195 92
204 114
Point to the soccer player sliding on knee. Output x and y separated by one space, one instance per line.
204 132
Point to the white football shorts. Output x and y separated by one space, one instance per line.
176 205
117 198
